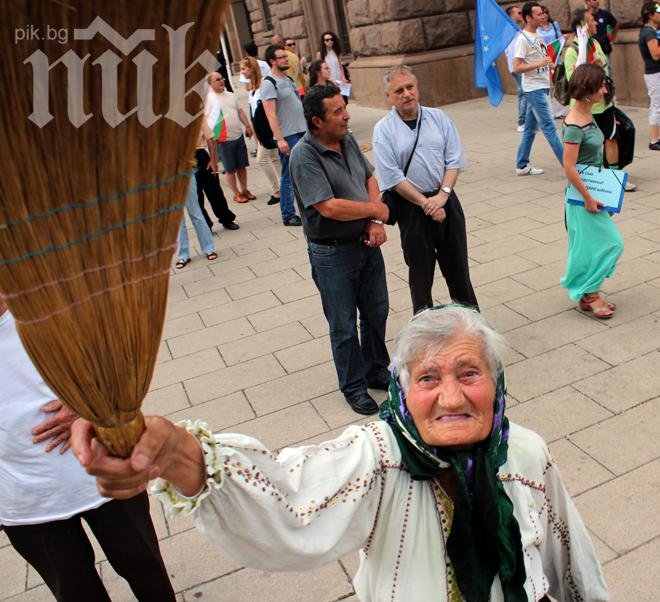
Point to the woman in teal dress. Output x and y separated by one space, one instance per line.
594 242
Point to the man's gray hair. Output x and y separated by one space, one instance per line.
430 330
396 70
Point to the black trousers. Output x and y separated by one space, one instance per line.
208 183
425 242
63 555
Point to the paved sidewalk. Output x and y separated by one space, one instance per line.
246 348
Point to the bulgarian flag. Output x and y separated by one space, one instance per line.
216 120
554 49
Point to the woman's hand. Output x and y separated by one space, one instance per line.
163 450
593 205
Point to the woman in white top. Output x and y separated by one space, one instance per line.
330 52
549 30
267 158
445 499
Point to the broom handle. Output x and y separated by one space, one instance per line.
120 439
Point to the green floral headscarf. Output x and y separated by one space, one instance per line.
485 537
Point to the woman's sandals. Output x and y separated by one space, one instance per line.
595 303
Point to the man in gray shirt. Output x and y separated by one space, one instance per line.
287 120
418 156
342 218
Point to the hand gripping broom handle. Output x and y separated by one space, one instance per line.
120 438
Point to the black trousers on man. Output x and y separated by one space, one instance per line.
62 554
425 242
208 183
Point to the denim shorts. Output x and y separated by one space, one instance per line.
233 154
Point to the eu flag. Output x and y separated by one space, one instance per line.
494 30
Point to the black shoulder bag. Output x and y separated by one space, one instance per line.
391 197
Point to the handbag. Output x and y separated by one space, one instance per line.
391 197
625 138
611 90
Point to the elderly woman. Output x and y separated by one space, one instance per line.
444 498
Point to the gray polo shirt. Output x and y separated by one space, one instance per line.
318 174
289 111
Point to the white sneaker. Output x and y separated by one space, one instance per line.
528 170
520 128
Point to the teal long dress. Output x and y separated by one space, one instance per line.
594 242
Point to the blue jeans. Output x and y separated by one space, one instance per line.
538 113
522 101
202 230
286 190
351 277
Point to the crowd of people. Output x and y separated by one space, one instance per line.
489 505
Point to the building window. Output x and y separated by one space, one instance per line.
267 16
343 26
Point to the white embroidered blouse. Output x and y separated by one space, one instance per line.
307 506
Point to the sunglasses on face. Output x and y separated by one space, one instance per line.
327 39
290 43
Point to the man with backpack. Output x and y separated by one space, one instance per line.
532 61
287 121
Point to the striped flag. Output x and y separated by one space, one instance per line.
215 118
554 49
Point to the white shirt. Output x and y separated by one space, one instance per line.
229 105
332 61
438 149
509 51
35 486
310 505
531 48
264 68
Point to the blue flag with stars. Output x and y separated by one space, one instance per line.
494 30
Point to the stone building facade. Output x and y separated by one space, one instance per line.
434 37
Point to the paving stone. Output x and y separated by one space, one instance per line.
262 343
311 353
547 253
610 442
625 342
503 231
14 572
566 365
237 309
559 413
293 260
634 576
269 242
4 540
542 304
624 511
191 558
292 389
325 584
603 551
158 518
213 336
494 250
38 594
281 428
624 386
197 303
265 283
165 400
251 259
295 291
333 408
504 319
185 324
219 281
219 413
232 379
579 472
33 578
550 333
285 313
183 368
118 588
548 233
543 277
500 291
500 268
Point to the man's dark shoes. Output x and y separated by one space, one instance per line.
273 200
383 385
293 221
230 226
654 145
363 403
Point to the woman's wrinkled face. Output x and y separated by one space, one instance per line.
451 395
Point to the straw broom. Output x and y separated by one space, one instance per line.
89 215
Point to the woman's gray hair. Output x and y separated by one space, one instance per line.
430 330
396 70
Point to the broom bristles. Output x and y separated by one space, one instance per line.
89 215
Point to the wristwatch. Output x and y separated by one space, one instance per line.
377 221
446 189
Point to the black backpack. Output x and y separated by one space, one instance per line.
260 123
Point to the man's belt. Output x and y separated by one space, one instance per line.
333 242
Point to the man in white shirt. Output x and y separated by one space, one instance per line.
225 117
515 13
44 496
532 61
